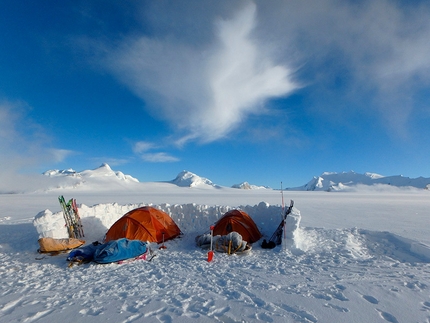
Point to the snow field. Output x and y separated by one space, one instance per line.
318 275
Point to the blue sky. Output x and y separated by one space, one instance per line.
263 91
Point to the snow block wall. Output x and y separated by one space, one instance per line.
191 218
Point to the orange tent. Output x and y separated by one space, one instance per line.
238 221
145 224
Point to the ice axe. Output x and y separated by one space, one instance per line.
211 252
163 246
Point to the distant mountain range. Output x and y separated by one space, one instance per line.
352 181
188 179
105 177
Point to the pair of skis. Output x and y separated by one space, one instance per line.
72 218
276 238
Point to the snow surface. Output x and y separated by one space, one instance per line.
348 257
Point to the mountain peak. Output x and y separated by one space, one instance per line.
188 179
105 166
247 186
102 176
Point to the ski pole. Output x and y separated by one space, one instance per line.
163 246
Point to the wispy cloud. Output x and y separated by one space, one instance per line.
59 155
367 55
144 149
204 90
142 146
23 142
160 157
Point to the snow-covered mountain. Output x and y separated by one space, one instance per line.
103 171
188 179
247 186
102 176
105 177
352 180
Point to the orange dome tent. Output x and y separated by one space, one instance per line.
145 224
238 221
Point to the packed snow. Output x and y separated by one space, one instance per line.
360 256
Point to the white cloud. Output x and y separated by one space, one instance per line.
59 155
160 157
143 148
368 55
208 89
375 52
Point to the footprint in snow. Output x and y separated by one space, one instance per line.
264 317
9 307
165 318
370 299
387 316
337 308
38 316
426 305
132 318
299 314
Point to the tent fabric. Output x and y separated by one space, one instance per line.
117 250
240 222
145 224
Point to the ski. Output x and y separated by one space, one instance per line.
72 219
77 218
67 217
276 238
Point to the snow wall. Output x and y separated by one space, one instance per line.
191 218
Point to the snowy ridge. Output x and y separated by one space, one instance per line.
103 171
247 186
349 181
188 179
102 177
